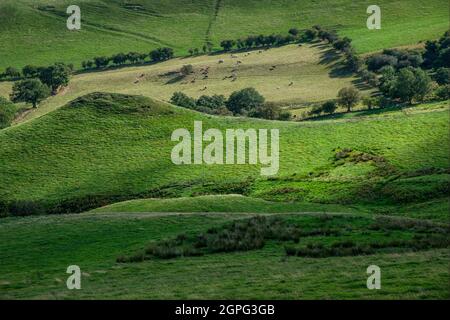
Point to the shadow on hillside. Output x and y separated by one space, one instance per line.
361 85
175 79
356 114
115 67
328 56
331 58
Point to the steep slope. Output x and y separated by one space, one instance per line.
102 148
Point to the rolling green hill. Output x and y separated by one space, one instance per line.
103 148
87 179
111 26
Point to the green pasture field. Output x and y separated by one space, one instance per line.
38 28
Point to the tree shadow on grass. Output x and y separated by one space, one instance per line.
329 56
175 79
361 85
356 114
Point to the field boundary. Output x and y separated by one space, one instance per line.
216 10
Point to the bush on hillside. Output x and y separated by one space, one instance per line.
30 71
369 77
7 113
353 62
443 92
410 84
329 107
182 100
187 69
55 76
30 90
161 54
442 76
437 53
212 102
342 44
369 102
348 97
119 58
101 62
294 32
244 100
310 34
378 61
267 110
227 45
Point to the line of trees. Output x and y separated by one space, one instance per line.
29 71
347 97
344 45
40 83
255 41
246 102
159 54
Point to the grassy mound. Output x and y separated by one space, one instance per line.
104 148
215 203
110 27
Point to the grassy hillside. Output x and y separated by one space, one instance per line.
112 26
104 148
110 147
37 250
314 70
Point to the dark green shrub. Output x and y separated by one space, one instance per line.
245 99
443 92
182 100
7 113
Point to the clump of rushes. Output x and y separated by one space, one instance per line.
239 235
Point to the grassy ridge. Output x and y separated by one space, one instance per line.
109 27
435 209
111 145
216 203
